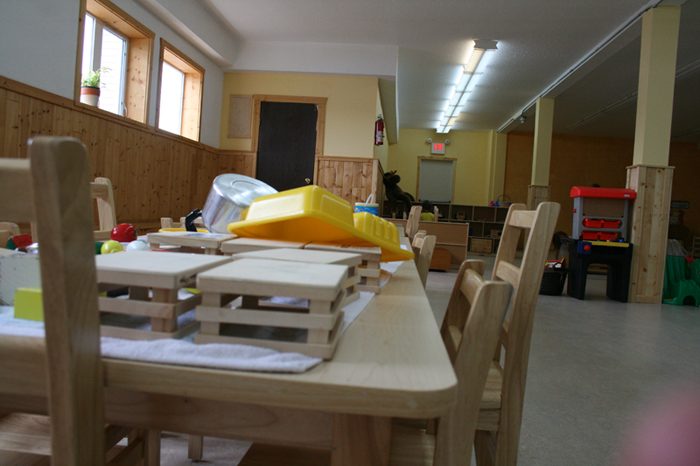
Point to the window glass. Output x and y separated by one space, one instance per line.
88 40
113 58
171 99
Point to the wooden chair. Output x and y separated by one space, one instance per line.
101 190
498 428
423 249
413 221
56 192
483 305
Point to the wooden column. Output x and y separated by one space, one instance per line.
538 191
649 231
650 175
497 164
536 195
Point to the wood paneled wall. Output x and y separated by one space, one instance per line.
154 174
353 179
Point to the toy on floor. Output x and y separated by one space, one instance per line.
681 282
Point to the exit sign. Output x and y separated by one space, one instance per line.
437 148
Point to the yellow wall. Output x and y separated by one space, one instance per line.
470 150
350 110
381 152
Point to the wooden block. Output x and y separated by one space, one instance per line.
316 350
210 241
262 277
161 274
154 269
352 260
240 245
316 292
368 253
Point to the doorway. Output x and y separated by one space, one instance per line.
288 137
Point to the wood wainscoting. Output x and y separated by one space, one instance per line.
154 174
353 179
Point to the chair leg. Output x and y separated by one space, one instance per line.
195 447
507 443
152 448
484 448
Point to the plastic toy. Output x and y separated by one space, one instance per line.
137 245
124 233
111 246
28 304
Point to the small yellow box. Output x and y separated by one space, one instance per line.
29 304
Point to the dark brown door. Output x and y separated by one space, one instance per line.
286 144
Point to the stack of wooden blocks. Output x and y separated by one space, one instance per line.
154 281
304 316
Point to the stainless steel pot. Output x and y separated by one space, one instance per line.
229 196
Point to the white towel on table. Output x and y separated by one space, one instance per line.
211 355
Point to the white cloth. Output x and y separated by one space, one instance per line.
185 353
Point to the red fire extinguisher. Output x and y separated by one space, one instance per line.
379 131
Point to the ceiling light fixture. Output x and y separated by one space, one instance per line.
466 81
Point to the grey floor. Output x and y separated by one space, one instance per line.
595 365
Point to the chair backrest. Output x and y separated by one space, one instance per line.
102 191
526 279
470 331
416 243
424 255
412 222
55 191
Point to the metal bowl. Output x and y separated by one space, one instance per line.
229 196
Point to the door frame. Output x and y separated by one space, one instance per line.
320 102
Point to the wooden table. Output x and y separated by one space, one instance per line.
390 362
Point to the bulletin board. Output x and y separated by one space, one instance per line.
435 179
239 116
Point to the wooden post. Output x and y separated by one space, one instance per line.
538 191
649 231
537 195
650 176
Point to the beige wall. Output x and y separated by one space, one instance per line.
350 111
470 150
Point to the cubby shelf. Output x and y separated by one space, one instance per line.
485 223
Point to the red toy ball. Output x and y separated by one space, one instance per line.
124 233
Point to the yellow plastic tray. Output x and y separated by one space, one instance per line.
312 214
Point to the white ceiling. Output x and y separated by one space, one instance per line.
585 54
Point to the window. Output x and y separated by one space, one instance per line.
116 42
179 93
107 49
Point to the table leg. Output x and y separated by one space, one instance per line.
360 440
195 447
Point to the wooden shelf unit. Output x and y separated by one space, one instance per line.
484 223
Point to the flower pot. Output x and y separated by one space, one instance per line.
90 95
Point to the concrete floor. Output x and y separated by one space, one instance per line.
594 366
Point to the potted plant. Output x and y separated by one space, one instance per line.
90 86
